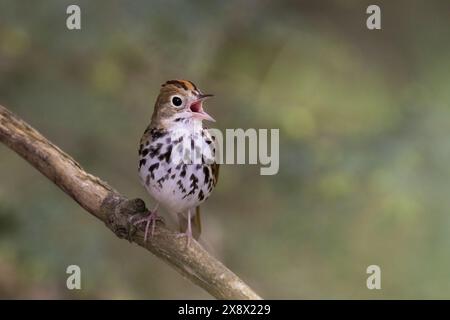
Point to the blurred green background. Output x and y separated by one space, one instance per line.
364 119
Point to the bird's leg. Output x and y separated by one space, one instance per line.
188 232
150 219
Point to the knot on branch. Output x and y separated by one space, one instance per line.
118 211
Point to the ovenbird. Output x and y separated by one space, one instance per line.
176 181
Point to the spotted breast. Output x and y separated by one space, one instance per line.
167 169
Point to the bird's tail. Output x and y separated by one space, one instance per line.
196 223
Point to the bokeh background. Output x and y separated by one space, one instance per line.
364 119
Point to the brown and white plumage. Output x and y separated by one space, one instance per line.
179 183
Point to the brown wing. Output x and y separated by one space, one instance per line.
215 171
197 222
215 166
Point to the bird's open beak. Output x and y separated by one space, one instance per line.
197 108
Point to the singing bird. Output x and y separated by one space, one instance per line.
177 157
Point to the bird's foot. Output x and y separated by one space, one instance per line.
151 219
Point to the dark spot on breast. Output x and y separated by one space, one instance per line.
206 173
152 168
160 181
167 154
193 186
144 152
178 140
201 196
183 171
154 150
180 186
142 163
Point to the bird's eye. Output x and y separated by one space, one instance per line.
176 101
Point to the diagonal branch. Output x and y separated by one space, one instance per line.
105 203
